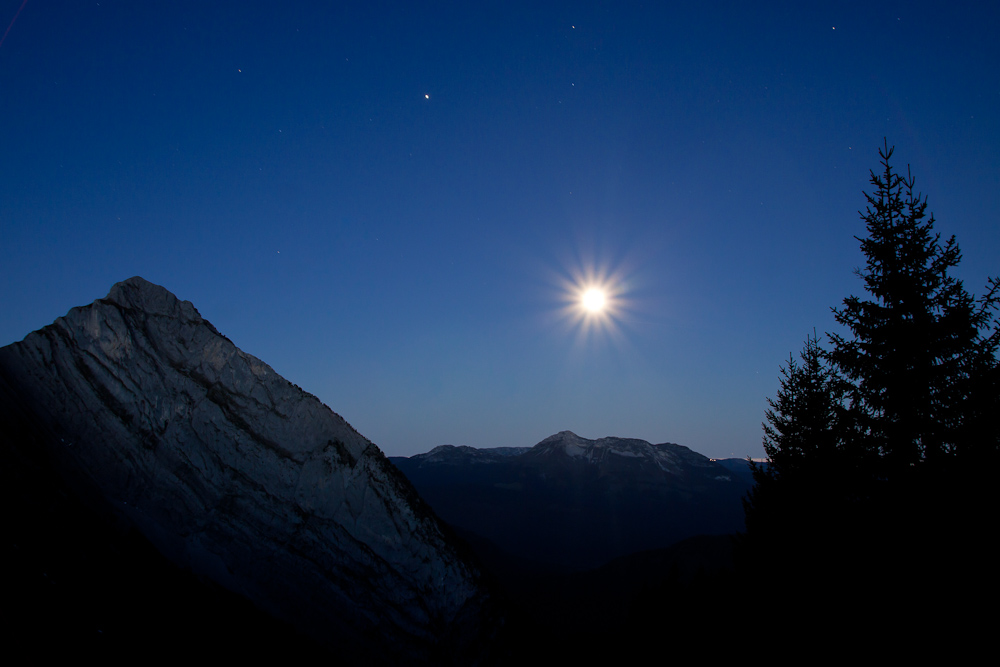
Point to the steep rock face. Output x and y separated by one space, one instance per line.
232 471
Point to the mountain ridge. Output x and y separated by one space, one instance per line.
139 403
575 502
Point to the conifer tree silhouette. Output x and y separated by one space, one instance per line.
883 449
922 349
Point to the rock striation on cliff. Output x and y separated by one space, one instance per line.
146 410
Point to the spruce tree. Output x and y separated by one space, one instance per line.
923 350
883 450
804 441
802 421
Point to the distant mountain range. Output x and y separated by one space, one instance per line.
576 503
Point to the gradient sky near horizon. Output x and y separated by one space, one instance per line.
393 203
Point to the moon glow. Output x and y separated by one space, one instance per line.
594 300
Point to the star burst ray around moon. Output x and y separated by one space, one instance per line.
593 301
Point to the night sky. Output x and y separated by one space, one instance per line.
395 206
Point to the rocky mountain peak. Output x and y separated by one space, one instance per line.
613 451
137 293
561 436
233 472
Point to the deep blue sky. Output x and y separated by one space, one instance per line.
406 258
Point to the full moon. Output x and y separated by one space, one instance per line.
594 300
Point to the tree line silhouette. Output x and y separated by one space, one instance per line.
875 511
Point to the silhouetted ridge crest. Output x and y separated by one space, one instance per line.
576 502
